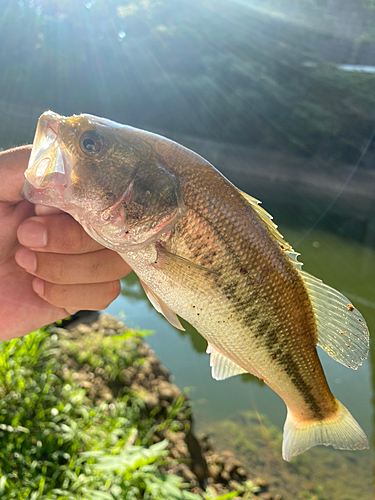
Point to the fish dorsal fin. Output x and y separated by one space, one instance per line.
221 366
162 308
342 330
293 257
267 219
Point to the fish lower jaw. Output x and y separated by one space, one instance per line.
51 197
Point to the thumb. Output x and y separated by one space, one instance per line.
13 164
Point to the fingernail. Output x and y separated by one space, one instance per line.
38 286
32 234
26 259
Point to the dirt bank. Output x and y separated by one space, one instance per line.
204 468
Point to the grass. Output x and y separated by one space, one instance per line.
59 442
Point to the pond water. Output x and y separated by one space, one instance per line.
343 263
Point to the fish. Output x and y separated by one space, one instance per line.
209 253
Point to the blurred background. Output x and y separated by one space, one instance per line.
277 94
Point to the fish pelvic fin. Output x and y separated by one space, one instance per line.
162 307
340 430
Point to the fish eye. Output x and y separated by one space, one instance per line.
91 143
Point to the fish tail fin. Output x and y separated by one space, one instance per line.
341 431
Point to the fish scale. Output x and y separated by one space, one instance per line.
209 253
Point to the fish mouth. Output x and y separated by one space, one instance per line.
49 169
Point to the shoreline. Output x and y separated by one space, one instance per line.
190 457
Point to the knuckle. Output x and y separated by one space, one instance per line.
71 310
95 269
80 236
72 240
52 271
64 233
56 294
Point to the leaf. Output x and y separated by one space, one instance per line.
3 482
157 447
228 496
101 495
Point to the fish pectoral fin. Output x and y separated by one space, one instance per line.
221 366
162 307
190 275
342 330
340 430
178 261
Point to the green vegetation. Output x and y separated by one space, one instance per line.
256 73
313 494
60 441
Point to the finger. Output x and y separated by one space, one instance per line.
56 234
13 164
10 219
43 210
92 297
94 267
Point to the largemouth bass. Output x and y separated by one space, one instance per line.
209 253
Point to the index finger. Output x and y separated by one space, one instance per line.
45 210
13 164
56 233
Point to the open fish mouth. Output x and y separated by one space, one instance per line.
49 168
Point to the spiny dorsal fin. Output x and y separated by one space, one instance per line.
267 219
221 366
162 308
342 330
293 256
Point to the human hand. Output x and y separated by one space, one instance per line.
49 266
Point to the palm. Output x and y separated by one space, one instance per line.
23 310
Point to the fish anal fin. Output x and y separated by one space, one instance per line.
342 330
161 307
222 367
341 431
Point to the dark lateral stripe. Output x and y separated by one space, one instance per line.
277 351
267 335
286 360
